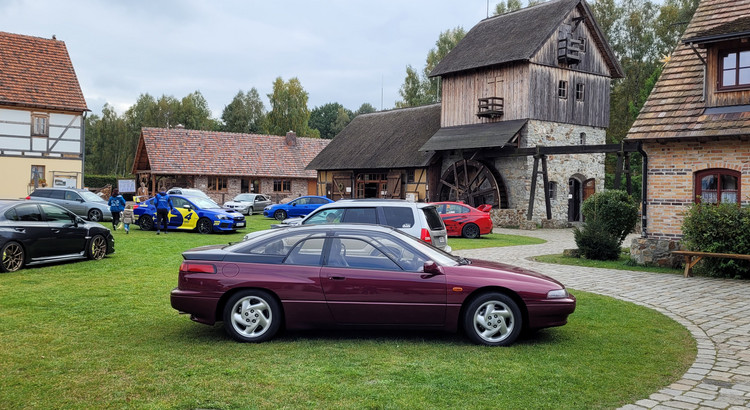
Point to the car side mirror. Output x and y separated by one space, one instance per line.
80 199
432 268
187 206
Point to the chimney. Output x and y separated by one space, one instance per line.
291 139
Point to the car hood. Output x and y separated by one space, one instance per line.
490 269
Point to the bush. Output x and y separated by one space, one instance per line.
722 228
615 210
100 181
596 242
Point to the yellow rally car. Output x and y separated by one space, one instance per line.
190 213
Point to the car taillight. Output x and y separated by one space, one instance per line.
135 206
197 267
28 197
425 236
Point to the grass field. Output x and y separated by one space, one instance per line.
101 334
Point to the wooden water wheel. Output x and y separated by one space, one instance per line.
471 182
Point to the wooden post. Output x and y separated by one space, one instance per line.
618 170
628 179
545 179
533 187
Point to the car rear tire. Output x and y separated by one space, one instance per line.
204 225
470 231
252 316
97 248
280 215
13 257
95 215
493 319
146 222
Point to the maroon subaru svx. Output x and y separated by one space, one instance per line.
344 276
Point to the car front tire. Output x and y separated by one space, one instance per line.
470 231
493 319
95 215
97 248
252 316
280 215
205 226
13 257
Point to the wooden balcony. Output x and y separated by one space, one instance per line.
490 107
569 50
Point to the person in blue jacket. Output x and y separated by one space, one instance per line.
163 206
116 206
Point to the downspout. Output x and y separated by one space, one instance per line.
83 146
644 189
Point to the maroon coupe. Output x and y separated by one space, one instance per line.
361 275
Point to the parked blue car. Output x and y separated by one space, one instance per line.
190 213
298 207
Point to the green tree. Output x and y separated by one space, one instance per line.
343 118
323 119
507 6
245 113
421 89
289 110
365 108
193 113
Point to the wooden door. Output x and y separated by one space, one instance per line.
589 188
394 186
312 187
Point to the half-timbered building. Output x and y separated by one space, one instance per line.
695 126
41 116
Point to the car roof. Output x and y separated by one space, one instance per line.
350 203
339 227
7 203
61 189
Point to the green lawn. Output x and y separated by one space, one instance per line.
101 334
623 263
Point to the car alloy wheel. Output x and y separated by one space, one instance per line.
204 225
280 215
95 215
97 247
146 222
252 316
470 231
13 257
493 319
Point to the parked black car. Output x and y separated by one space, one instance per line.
34 232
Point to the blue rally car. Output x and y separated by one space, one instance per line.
298 207
190 213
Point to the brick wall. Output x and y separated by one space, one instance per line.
671 169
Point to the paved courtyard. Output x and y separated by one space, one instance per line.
715 311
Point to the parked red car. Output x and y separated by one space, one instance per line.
344 275
463 220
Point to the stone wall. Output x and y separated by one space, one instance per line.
655 252
234 185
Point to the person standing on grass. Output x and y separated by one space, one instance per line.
127 217
163 207
116 205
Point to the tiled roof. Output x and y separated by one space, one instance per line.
37 72
674 109
189 152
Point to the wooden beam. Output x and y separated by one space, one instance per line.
618 171
545 179
533 188
626 146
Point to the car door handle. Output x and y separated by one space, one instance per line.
336 278
19 230
55 230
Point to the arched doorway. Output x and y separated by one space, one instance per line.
473 183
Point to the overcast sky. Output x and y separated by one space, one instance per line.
350 52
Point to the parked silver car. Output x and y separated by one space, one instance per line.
81 202
248 204
417 219
188 192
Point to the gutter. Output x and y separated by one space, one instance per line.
644 190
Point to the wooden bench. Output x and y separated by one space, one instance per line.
693 257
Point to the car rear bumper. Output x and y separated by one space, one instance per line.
200 308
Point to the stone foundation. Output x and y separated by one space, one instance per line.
507 218
657 252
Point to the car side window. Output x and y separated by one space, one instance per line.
179 202
301 201
29 213
327 216
360 215
440 208
360 254
277 246
307 252
69 196
398 217
11 214
318 201
55 214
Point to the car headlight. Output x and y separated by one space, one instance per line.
223 217
557 294
267 208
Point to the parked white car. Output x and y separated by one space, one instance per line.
248 204
420 220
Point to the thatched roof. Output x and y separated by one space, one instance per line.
517 36
385 139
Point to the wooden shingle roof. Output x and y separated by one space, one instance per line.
385 139
176 151
517 36
674 109
37 73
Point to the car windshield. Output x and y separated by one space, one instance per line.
204 203
90 196
243 197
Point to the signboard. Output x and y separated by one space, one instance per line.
126 185
64 182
